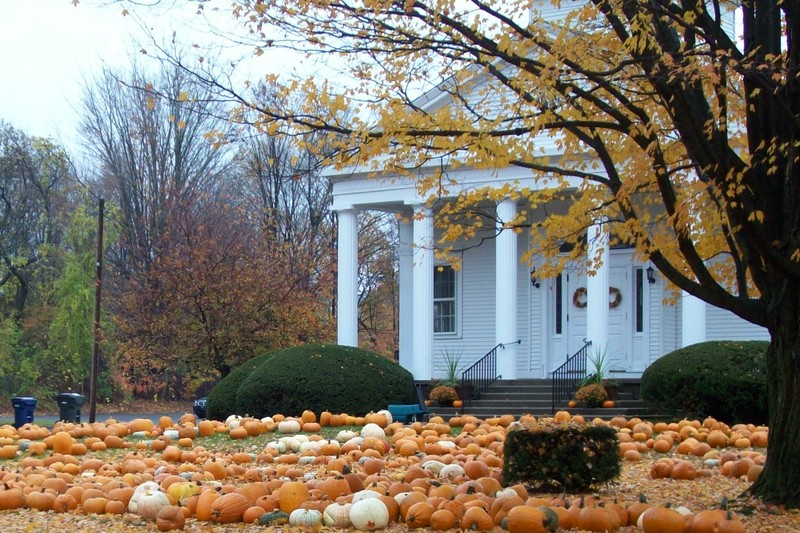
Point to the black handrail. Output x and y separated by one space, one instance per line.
478 377
567 376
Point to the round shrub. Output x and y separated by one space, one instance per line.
340 379
221 401
723 379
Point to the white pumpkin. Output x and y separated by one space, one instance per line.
149 503
345 435
289 426
277 445
373 430
400 496
305 517
508 492
451 471
365 495
433 466
292 443
337 515
448 444
369 514
311 446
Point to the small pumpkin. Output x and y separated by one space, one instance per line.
170 518
305 517
476 519
275 518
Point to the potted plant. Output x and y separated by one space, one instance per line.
444 395
591 395
451 363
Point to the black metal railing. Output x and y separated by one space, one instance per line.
478 377
567 376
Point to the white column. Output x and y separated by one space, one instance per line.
405 282
693 319
422 275
347 278
597 288
505 296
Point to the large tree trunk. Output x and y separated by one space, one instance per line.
780 480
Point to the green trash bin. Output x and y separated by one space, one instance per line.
69 406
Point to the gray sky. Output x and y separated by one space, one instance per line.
46 48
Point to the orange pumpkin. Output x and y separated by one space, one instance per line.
115 507
662 520
597 519
419 514
291 495
476 519
96 505
169 518
525 519
204 502
443 519
64 503
229 508
41 500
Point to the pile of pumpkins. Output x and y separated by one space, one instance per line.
418 474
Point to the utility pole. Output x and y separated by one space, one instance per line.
97 293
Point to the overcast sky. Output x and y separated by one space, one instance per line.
46 48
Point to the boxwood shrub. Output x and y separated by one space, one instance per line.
340 379
221 401
723 379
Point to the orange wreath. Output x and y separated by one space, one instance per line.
579 297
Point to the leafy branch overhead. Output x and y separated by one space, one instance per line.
659 119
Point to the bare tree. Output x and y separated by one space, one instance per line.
153 134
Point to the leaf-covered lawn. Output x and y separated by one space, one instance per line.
704 492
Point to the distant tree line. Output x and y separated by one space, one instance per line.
220 244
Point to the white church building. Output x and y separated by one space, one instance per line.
495 298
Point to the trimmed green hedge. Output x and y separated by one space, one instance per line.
340 379
221 401
561 457
723 379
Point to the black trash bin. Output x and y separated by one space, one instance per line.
69 406
23 410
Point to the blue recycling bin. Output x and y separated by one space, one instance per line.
24 406
69 406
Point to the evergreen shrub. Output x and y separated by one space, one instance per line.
561 457
339 379
221 402
726 380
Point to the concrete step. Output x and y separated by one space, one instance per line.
534 397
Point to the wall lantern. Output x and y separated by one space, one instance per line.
651 274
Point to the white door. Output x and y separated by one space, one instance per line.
568 329
620 311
